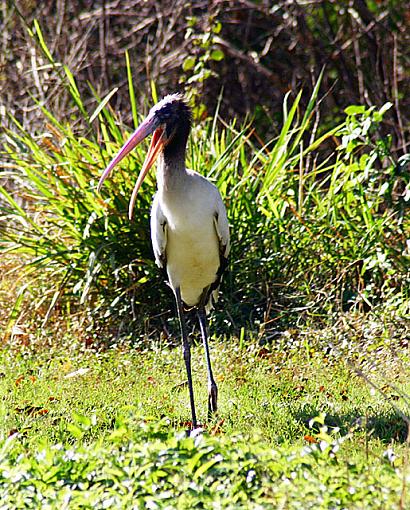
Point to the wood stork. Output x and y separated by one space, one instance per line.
189 227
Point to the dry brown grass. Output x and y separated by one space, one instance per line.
22 323
9 288
268 51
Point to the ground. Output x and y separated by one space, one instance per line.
308 418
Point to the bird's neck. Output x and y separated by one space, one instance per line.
171 172
171 167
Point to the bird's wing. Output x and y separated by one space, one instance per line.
222 228
158 232
222 231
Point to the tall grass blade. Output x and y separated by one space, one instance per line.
103 104
131 90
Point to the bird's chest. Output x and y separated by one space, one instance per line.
192 240
188 213
192 247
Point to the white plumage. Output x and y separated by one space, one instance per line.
190 232
189 226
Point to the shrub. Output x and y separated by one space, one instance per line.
306 234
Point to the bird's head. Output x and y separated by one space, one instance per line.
173 115
170 122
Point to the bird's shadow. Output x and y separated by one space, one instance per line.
386 426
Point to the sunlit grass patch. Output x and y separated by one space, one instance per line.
110 426
263 389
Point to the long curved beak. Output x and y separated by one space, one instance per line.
146 128
155 147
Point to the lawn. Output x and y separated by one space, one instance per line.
297 427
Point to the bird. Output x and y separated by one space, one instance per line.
189 225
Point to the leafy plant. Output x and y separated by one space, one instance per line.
151 467
197 66
305 233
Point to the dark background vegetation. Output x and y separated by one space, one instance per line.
268 48
249 54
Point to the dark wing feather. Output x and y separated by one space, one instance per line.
222 231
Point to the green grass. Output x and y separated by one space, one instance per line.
312 356
295 426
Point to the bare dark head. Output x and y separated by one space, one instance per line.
174 116
170 123
174 112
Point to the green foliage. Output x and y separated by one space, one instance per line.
83 428
63 227
197 66
330 233
151 467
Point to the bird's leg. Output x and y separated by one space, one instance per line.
212 387
187 353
